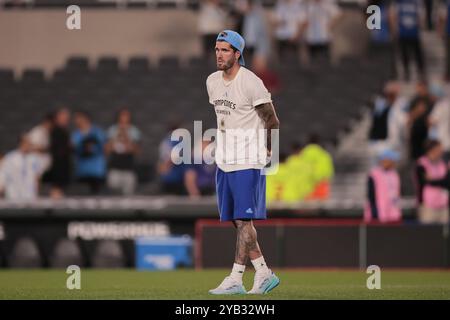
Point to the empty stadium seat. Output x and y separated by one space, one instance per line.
25 254
108 254
169 62
77 63
33 77
66 253
6 77
108 64
138 65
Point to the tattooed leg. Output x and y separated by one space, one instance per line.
247 244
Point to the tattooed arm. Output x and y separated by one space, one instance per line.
267 113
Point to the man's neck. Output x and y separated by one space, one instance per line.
231 73
85 128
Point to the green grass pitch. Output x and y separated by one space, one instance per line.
191 284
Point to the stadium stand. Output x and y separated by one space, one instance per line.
319 99
330 99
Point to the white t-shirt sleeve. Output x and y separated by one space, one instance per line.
258 92
208 88
333 10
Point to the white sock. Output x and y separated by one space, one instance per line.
260 264
237 272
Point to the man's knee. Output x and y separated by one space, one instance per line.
241 224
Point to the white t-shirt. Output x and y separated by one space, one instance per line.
441 116
289 15
397 124
19 174
240 143
39 137
320 14
211 19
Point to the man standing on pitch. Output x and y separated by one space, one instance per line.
242 104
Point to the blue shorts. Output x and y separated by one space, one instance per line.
241 194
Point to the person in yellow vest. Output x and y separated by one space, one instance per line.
275 181
320 164
293 181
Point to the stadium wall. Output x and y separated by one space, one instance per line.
287 242
299 243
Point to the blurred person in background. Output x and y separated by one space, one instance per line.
418 128
383 190
254 31
61 154
237 13
294 180
40 141
398 133
2 187
171 175
382 35
88 141
405 18
444 31
200 178
40 135
289 21
428 4
122 148
322 17
320 164
433 182
381 111
418 120
211 20
21 171
381 39
439 119
276 182
270 79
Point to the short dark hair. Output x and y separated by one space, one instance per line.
314 138
232 47
119 112
22 136
83 113
431 144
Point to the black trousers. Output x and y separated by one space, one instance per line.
319 51
429 14
412 47
286 50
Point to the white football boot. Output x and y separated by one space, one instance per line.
264 282
229 286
